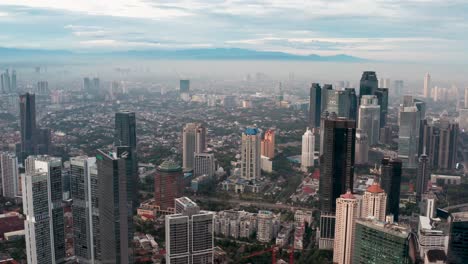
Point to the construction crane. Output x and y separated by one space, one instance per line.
273 251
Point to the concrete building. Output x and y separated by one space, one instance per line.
267 226
308 150
346 214
362 148
369 118
189 234
374 203
250 155
302 217
235 224
267 164
432 235
193 141
408 138
204 164
9 175
427 86
168 185
268 144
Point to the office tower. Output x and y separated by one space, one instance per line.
265 226
382 96
458 244
422 177
189 234
315 105
384 82
168 184
466 97
42 203
9 178
341 102
115 209
440 141
96 84
327 230
421 106
381 243
327 88
184 86
368 84
250 154
374 203
390 181
125 129
352 103
346 214
14 86
204 164
42 88
27 125
308 150
369 118
268 144
193 141
399 87
362 148
427 86
408 138
337 161
82 209
43 141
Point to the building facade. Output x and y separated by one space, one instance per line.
168 184
268 144
347 211
315 105
193 141
204 164
9 175
390 182
369 118
374 203
250 154
308 150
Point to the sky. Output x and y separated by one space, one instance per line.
396 30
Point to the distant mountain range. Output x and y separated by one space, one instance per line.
187 54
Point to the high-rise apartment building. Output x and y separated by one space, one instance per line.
27 125
380 242
362 148
250 154
193 141
204 164
42 204
9 176
347 211
427 86
374 203
268 144
408 138
368 84
115 209
369 118
308 150
458 244
168 184
189 234
125 129
81 170
423 176
390 182
315 105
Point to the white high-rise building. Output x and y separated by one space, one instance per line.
267 226
204 164
193 141
427 84
374 203
42 205
369 118
408 138
189 234
347 211
308 149
250 154
9 175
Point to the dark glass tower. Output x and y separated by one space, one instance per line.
115 209
337 161
27 125
390 181
422 177
352 102
125 129
315 105
368 84
458 245
382 96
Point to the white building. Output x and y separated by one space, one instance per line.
427 84
250 154
267 164
369 118
193 141
346 213
308 149
267 226
301 217
430 237
9 177
408 138
204 164
374 203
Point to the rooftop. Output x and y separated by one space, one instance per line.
251 131
375 188
169 166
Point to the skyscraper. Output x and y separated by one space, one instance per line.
82 209
458 246
184 86
368 84
193 141
347 211
250 154
390 182
268 144
324 97
337 161
9 178
427 86
308 150
422 177
115 209
315 105
168 184
13 87
374 203
466 97
189 234
352 103
362 147
204 164
369 118
408 138
27 125
382 96
381 243
42 204
125 129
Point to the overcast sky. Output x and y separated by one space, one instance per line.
407 30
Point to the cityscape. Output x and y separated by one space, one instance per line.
123 153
